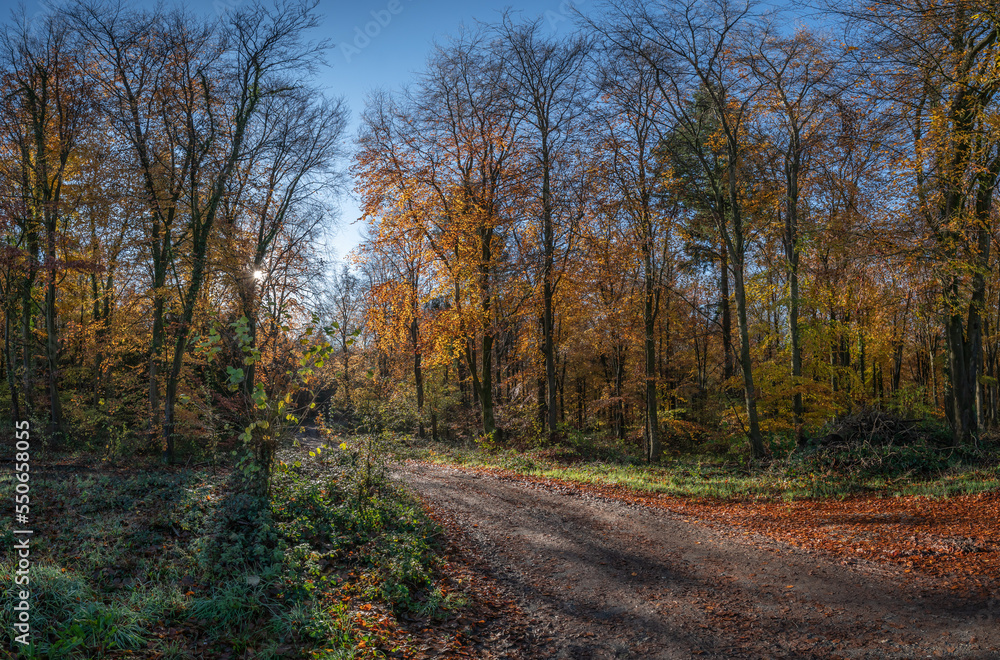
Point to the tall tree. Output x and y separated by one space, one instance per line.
50 105
188 95
449 147
693 47
798 77
631 133
934 64
550 87
133 56
280 193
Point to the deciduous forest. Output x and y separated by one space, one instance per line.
689 218
732 261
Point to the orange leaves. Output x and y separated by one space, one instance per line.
954 539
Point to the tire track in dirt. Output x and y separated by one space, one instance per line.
599 578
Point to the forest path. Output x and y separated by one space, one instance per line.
600 578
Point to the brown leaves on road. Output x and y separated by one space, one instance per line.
953 540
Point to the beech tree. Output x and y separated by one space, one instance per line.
189 96
935 66
695 47
449 151
279 193
632 130
798 76
48 107
549 86
128 50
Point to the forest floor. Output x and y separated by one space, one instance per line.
588 571
136 559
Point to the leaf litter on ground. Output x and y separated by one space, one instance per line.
953 540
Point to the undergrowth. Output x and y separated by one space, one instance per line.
172 563
921 461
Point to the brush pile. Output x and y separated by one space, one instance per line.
873 427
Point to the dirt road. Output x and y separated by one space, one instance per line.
597 578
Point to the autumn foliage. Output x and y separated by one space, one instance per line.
691 215
162 177
674 225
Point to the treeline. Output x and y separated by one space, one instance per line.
694 212
162 175
689 219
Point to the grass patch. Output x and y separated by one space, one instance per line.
920 467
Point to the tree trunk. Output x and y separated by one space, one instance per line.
486 388
793 326
51 337
619 408
159 330
727 316
482 378
737 245
182 330
27 339
932 360
418 375
964 358
463 382
542 407
653 449
792 169
170 399
548 291
8 361
562 394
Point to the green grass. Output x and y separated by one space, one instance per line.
923 469
168 562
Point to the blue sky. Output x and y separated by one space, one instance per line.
399 48
378 44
